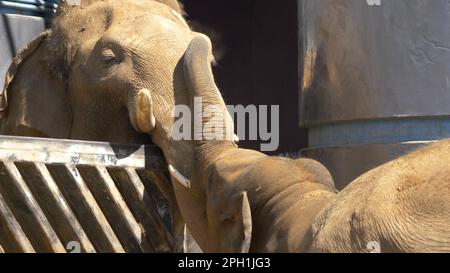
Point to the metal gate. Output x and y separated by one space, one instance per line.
63 196
41 8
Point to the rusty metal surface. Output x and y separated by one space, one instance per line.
101 197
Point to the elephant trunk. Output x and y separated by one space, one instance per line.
216 123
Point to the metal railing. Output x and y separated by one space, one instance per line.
40 8
60 195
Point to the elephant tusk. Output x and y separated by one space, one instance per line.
235 138
179 177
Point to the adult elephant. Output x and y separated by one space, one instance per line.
84 78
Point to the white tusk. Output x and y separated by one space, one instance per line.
235 139
179 177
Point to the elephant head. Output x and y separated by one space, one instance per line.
112 70
100 66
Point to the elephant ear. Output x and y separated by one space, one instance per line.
34 101
236 224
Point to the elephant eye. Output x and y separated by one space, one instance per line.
108 57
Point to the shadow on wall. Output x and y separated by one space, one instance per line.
256 44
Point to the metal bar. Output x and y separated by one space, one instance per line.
114 207
136 196
47 4
54 204
156 182
6 10
86 208
42 232
81 152
26 7
12 235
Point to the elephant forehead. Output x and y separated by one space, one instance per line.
73 26
147 23
77 20
114 11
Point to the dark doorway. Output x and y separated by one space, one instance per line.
257 50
